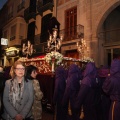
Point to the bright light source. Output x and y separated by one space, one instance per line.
4 41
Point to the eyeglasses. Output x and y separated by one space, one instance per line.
22 69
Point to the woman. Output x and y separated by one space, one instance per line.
18 95
111 87
37 107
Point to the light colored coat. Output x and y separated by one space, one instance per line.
37 107
25 103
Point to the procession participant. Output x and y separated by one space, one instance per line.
60 85
111 86
86 96
72 88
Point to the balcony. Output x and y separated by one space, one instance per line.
30 13
48 6
21 6
73 33
12 38
10 15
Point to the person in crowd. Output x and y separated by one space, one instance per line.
38 94
86 96
111 86
18 94
60 84
103 73
72 88
7 72
2 80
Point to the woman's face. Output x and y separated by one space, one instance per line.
19 70
34 74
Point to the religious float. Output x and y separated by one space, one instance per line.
46 67
47 64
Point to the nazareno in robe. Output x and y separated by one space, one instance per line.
111 86
60 84
72 88
87 92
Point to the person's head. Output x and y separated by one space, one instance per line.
1 69
18 69
31 72
115 67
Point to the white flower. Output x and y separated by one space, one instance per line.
86 59
56 56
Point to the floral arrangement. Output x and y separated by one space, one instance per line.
55 57
86 59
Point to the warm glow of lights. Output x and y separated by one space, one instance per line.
82 48
12 49
27 49
54 43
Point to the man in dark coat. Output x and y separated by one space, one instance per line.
60 84
111 86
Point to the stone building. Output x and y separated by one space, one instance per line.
100 19
97 21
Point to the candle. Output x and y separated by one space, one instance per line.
61 37
48 44
23 45
77 44
82 40
59 42
57 46
50 37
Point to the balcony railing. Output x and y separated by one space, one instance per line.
21 6
48 6
12 38
10 15
29 13
73 33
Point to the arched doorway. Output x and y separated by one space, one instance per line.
109 39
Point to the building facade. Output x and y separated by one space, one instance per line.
13 28
95 21
100 19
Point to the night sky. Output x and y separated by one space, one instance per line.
2 2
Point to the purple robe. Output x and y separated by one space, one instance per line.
105 99
60 84
86 95
111 86
72 88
